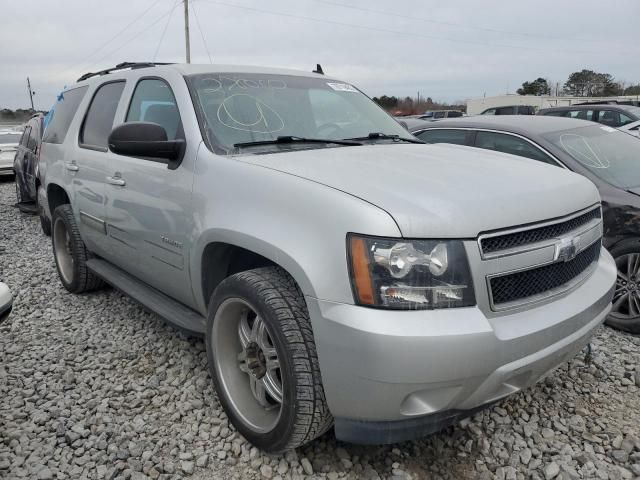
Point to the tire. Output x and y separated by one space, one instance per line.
71 254
269 296
625 314
45 223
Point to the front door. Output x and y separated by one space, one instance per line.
148 204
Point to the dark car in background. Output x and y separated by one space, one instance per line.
610 115
510 110
25 164
607 156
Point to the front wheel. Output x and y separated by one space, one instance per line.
263 360
625 313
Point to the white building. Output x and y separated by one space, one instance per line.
478 105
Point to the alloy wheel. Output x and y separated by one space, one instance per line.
247 364
63 250
626 299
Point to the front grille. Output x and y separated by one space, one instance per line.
517 239
521 285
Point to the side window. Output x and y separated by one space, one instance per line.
98 122
454 114
610 118
624 120
24 140
491 111
32 141
440 135
513 145
63 112
556 113
505 111
439 114
153 101
580 114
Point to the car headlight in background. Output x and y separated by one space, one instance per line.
409 274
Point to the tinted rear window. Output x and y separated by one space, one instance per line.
63 113
440 135
99 120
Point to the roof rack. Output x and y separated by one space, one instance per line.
121 66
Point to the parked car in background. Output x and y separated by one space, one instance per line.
438 114
606 156
25 164
6 302
632 128
611 115
340 270
9 140
510 110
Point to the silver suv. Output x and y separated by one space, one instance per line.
341 273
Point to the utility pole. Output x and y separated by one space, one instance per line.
31 92
186 30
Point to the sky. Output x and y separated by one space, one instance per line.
448 51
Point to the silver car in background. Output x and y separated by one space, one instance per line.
9 141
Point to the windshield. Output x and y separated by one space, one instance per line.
236 108
606 152
9 138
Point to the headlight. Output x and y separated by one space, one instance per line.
409 274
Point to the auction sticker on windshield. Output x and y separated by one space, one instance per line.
342 87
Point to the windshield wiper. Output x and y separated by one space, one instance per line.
293 139
386 136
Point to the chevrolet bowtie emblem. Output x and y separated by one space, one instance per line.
567 248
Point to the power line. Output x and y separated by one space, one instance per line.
448 24
164 15
164 30
384 30
83 61
204 42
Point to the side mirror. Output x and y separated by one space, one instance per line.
6 302
148 140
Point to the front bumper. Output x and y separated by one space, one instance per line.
392 376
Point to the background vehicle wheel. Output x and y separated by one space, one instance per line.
45 223
70 253
263 360
625 314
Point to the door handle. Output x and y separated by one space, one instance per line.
116 180
72 167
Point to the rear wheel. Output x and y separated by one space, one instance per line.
625 313
263 360
71 254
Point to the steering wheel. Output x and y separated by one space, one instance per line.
326 130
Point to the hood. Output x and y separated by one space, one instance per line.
441 191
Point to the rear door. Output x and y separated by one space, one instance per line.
148 204
89 165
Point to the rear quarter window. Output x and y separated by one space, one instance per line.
63 114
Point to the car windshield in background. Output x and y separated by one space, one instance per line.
237 108
9 138
606 152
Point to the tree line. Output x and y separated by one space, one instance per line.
585 83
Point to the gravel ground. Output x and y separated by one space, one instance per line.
93 386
